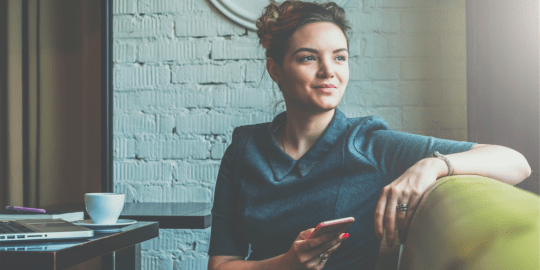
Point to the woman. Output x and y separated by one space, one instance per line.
278 180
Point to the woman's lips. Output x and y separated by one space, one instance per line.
326 88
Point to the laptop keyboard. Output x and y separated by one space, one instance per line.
9 227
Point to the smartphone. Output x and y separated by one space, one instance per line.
332 226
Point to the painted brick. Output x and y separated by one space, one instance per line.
433 21
167 6
393 93
166 123
123 147
247 97
156 260
241 48
177 51
384 21
134 123
425 118
126 188
376 69
136 171
256 72
167 240
124 52
195 261
218 150
136 77
205 172
454 46
433 69
227 73
419 45
395 45
454 93
124 7
204 25
170 99
123 101
421 4
171 148
209 123
139 27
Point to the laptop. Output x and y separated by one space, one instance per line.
41 229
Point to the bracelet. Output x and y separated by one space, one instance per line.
436 154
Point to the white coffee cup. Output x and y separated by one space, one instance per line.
104 208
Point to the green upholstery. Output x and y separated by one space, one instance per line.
473 222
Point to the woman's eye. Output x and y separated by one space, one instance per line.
341 58
307 58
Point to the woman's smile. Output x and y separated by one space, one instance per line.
326 88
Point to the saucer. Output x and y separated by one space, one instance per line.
120 223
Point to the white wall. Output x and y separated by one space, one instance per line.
185 76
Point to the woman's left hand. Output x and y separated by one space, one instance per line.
407 189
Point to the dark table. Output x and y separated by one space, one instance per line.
61 254
169 215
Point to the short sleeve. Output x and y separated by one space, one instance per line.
393 152
226 237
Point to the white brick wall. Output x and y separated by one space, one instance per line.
185 76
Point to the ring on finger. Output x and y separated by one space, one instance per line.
323 259
402 207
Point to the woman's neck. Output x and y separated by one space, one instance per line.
303 130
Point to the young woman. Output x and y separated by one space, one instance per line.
278 180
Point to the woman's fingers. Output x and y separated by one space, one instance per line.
390 215
379 214
413 203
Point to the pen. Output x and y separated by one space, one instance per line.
25 209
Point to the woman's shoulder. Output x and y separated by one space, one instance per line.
367 123
250 128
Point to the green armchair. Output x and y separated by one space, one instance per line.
469 222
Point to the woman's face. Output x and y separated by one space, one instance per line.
315 70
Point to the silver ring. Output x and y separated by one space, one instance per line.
322 257
402 207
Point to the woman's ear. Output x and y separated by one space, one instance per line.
273 69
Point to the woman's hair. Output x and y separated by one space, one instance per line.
278 23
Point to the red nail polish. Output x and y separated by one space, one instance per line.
345 236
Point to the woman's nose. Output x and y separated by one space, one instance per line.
326 70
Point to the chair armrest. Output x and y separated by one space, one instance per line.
473 222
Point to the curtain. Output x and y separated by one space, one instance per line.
50 70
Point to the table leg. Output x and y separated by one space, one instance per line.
128 258
107 261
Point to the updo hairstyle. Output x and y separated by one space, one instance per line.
278 23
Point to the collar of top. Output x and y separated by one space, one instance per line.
282 164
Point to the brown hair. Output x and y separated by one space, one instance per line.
278 23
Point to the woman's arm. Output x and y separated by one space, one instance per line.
497 162
304 254
493 161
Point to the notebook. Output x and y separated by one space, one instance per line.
41 229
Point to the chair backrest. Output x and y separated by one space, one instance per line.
473 222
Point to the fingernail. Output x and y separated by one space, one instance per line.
345 236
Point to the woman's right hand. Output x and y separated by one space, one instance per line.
306 253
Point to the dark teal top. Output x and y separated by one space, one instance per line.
263 197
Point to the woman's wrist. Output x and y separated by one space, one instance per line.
439 167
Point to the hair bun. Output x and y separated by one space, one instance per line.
266 25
